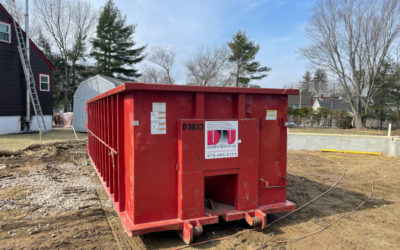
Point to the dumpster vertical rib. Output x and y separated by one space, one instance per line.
112 145
111 154
199 113
107 140
241 106
102 137
96 129
121 153
115 162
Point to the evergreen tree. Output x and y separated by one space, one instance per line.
113 46
305 85
243 54
320 82
382 96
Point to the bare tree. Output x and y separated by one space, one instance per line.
15 8
209 67
68 25
351 38
152 75
164 58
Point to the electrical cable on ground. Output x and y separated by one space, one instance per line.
330 224
268 225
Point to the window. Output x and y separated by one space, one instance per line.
5 32
44 82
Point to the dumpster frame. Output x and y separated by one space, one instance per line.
107 131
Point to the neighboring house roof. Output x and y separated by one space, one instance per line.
332 103
306 99
31 43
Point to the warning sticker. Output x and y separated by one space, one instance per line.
221 139
158 118
271 115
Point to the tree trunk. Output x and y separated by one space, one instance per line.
358 123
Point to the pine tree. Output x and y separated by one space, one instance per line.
113 46
243 55
305 85
320 82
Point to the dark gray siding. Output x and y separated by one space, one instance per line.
12 79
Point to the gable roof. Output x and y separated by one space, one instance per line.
306 99
337 103
114 81
30 41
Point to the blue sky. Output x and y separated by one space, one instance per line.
276 25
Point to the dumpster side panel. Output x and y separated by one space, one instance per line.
220 106
156 156
129 153
272 168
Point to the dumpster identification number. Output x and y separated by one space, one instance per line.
221 139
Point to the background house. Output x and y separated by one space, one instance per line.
12 81
330 103
304 99
86 90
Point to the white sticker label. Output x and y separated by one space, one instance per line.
271 115
158 119
221 139
159 107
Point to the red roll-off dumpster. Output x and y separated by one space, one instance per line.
175 157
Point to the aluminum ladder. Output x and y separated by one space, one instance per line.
30 80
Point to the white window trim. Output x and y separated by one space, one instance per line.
40 82
9 32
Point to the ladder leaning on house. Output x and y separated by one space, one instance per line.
30 80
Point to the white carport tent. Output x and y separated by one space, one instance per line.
86 90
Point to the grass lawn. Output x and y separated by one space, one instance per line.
20 141
344 131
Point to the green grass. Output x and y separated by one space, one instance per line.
20 141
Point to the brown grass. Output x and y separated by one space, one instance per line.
20 141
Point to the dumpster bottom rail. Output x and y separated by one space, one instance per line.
189 229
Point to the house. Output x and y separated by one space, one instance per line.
331 103
86 90
12 81
304 99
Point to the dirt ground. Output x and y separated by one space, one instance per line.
50 197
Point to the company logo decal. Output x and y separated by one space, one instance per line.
221 139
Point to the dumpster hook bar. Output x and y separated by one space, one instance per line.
100 140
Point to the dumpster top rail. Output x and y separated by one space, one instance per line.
189 88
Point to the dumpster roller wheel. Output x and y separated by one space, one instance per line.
190 230
258 220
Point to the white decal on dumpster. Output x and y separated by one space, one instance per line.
221 139
158 118
271 115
